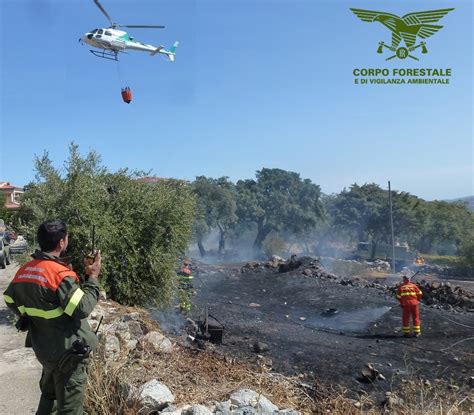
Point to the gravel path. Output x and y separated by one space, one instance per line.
19 370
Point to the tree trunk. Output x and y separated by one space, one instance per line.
306 247
263 232
202 251
222 243
222 235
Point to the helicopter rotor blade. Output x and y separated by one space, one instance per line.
103 11
142 26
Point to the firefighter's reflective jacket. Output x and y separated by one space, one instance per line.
409 294
56 304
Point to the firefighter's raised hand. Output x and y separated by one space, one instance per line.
93 270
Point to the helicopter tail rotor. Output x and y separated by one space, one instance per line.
170 53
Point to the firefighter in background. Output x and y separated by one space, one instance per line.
185 286
409 296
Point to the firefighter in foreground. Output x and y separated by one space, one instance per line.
53 304
409 296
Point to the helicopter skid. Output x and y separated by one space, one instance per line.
112 55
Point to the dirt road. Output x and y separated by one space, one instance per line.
19 370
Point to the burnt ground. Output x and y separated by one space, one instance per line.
287 312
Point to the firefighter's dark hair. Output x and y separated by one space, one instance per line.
50 233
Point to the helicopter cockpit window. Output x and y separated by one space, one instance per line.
108 33
93 31
100 31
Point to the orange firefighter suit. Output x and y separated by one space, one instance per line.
409 296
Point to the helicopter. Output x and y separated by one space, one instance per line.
113 41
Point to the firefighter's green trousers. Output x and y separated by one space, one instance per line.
62 393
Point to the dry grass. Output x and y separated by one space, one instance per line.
200 377
419 397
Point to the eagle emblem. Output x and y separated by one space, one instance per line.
407 28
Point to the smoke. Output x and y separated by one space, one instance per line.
238 249
171 320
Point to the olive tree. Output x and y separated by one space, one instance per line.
141 228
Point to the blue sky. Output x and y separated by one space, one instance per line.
255 84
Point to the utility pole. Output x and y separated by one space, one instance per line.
391 226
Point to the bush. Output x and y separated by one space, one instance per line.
442 260
467 251
141 228
273 245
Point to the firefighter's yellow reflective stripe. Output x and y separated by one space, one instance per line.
408 293
74 301
36 312
416 327
8 299
398 296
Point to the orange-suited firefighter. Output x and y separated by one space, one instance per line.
409 296
185 287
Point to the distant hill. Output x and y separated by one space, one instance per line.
469 200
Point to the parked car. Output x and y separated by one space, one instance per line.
4 251
18 246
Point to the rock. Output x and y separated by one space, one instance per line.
155 395
307 272
392 401
247 397
135 329
132 316
129 332
277 258
122 331
129 392
250 266
260 347
173 410
197 410
224 407
254 305
111 347
157 342
246 410
370 374
132 344
275 261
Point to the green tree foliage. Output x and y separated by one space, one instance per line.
141 228
360 211
216 208
444 223
278 200
363 212
273 245
466 249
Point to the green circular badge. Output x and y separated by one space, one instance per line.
402 53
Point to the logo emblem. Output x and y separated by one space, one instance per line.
406 28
